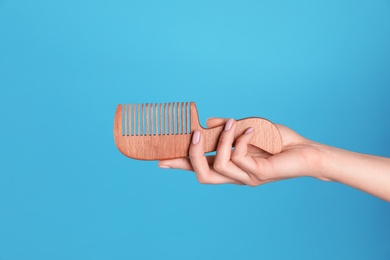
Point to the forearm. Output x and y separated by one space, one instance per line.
365 172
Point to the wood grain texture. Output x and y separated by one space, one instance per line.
156 145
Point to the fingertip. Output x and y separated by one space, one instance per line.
163 165
229 124
195 137
197 145
249 130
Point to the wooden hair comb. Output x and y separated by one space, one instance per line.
163 131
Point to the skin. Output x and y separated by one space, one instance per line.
249 165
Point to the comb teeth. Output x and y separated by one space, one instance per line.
171 118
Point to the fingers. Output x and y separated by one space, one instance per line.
257 168
225 143
237 166
222 161
204 173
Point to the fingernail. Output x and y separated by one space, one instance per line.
195 137
229 124
249 130
164 167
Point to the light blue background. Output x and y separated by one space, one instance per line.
319 67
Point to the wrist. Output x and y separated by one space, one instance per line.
318 158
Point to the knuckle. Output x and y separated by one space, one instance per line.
260 177
219 166
253 182
236 157
262 172
202 179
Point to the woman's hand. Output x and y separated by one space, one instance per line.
247 164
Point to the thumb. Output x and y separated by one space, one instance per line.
214 121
